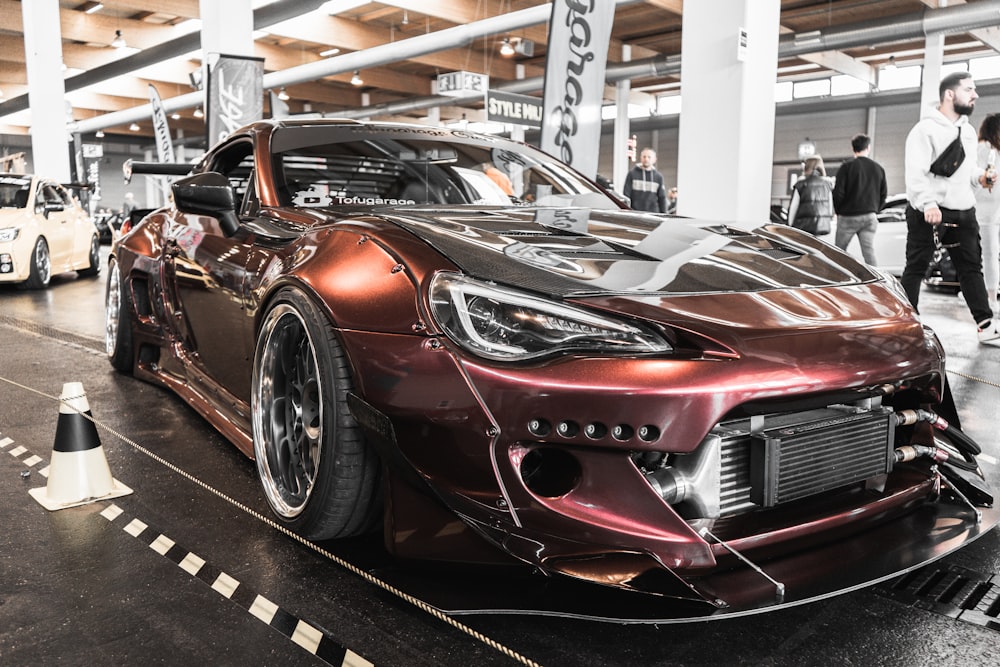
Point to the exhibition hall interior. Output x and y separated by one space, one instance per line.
496 332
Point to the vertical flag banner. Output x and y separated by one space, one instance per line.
161 131
235 94
579 34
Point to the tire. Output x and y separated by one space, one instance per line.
94 267
319 476
41 266
118 321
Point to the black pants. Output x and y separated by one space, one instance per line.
967 256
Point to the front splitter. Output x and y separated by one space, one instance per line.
880 554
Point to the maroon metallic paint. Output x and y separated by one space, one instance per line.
760 323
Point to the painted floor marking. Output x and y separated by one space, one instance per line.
306 635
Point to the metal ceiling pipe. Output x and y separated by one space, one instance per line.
262 18
958 18
373 57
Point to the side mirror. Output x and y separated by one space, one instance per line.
208 193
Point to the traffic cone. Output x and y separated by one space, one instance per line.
78 471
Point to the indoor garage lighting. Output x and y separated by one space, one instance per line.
119 41
283 96
329 52
99 134
198 113
96 7
356 80
134 127
506 49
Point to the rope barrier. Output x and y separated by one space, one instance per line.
416 602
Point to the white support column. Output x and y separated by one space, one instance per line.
227 27
46 92
620 164
726 139
870 128
933 61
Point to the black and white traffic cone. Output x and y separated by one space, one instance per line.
78 471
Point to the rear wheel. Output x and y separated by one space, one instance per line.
94 267
41 266
319 476
118 321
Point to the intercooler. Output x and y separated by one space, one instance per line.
766 461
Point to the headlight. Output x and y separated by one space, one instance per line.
8 234
505 324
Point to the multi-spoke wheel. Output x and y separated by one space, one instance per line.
319 476
117 321
41 266
94 267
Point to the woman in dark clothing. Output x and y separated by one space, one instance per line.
811 209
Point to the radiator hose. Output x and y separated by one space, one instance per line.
964 476
962 442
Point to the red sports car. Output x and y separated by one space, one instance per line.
659 404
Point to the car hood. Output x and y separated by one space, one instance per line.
14 217
581 251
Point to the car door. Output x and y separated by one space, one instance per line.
204 284
58 225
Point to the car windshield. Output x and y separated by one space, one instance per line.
14 191
362 166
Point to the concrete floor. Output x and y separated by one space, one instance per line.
184 570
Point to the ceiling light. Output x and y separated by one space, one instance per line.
283 96
198 113
99 134
175 116
406 18
356 80
506 49
329 52
118 42
134 127
96 7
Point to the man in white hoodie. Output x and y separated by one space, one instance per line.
945 204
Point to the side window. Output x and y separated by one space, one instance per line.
235 162
63 195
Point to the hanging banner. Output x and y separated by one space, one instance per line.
234 96
512 108
579 34
161 131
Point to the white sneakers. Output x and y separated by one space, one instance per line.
989 333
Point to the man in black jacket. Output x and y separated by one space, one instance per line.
644 185
858 195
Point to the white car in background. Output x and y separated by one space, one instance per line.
43 231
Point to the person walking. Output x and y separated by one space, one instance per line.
941 175
858 195
988 207
644 185
811 208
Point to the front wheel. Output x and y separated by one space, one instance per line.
118 321
94 267
319 476
41 266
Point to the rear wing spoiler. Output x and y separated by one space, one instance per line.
130 167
